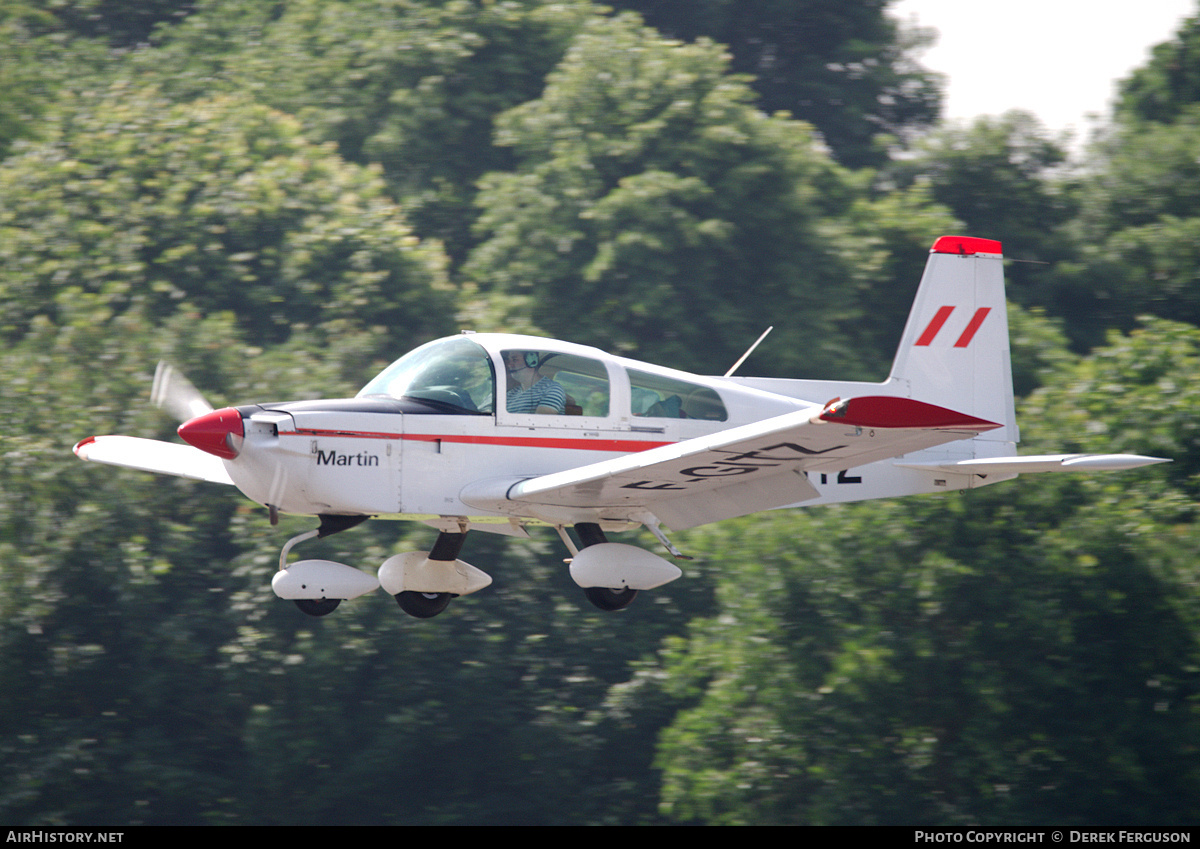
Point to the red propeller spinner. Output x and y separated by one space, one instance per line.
219 432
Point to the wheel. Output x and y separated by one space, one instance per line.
423 605
607 599
318 606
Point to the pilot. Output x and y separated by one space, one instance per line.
534 393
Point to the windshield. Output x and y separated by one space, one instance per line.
455 373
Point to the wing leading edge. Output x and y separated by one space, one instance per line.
745 469
151 455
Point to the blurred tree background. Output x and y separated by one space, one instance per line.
282 197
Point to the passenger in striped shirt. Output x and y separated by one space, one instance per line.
533 392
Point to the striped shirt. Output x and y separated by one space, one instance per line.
544 393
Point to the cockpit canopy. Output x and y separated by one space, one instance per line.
457 375
453 373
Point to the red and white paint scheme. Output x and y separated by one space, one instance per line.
435 438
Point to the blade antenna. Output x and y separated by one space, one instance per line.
749 351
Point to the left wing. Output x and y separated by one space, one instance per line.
151 455
745 469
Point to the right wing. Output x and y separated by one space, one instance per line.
151 455
741 470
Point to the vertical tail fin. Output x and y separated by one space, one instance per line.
954 351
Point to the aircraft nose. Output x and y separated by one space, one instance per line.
219 432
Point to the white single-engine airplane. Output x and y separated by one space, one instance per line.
575 436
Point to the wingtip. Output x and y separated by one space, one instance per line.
1113 462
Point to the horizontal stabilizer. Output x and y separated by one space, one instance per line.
1042 463
151 455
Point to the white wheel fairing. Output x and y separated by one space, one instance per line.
317 579
413 571
616 566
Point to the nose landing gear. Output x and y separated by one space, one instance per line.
612 573
319 586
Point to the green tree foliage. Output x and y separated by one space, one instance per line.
1038 346
1137 227
1165 86
651 192
120 23
998 177
843 66
1006 177
886 250
216 205
38 59
409 84
21 106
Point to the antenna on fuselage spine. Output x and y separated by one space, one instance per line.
749 351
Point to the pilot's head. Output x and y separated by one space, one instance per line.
515 361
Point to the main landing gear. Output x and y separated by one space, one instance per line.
609 599
423 584
426 605
423 605
611 573
605 598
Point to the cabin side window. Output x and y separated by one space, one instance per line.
656 396
555 384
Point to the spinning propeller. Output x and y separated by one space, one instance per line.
218 432
177 395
